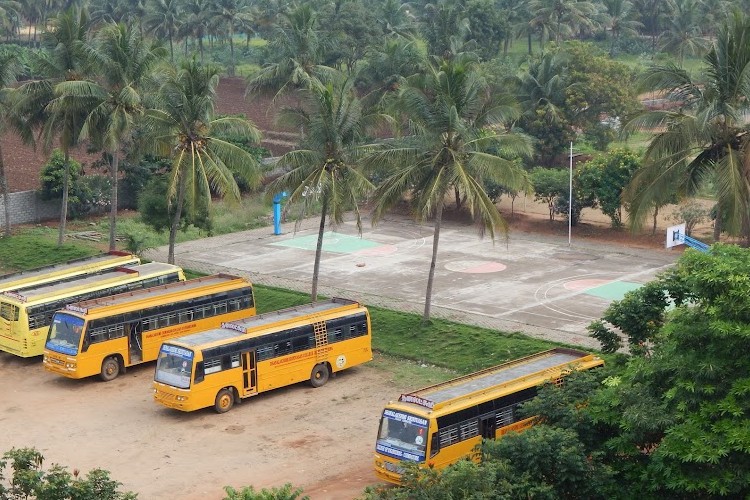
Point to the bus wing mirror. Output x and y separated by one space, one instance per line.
86 342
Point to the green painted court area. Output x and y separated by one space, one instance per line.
332 242
615 290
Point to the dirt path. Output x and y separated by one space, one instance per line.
318 439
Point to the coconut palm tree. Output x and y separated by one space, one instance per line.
620 20
682 31
707 137
455 120
63 59
164 18
9 68
324 171
562 17
300 47
124 61
183 127
230 16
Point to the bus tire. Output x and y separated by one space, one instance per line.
224 401
110 369
320 374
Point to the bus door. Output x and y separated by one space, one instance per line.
487 426
135 341
249 373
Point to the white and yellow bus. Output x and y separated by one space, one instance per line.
244 358
105 336
444 423
25 315
67 270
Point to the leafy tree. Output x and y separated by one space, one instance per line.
442 23
682 410
549 185
183 127
455 121
353 32
488 25
691 213
604 178
707 136
325 170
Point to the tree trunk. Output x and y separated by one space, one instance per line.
64 206
182 184
114 166
231 51
4 193
458 199
528 40
319 251
433 263
717 223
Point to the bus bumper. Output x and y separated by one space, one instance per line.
174 401
60 365
387 471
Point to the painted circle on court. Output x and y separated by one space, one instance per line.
578 285
475 266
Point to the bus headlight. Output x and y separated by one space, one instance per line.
181 398
70 366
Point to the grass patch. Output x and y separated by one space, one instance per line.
33 249
455 346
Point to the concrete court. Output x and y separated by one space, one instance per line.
533 284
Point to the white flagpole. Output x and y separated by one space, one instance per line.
570 196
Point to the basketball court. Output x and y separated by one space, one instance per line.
535 285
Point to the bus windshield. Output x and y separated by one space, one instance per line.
65 333
402 436
174 366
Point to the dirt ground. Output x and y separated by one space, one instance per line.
319 439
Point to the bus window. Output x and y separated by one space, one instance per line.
65 333
402 436
174 366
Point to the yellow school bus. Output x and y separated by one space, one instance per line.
441 424
25 315
67 270
105 336
244 358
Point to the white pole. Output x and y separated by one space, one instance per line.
570 196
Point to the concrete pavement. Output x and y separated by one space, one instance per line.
532 284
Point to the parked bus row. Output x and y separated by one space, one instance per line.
102 315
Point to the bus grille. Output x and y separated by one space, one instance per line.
390 467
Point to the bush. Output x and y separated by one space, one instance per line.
86 194
30 480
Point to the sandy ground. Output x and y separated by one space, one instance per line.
319 439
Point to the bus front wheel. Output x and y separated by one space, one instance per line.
224 401
319 375
110 369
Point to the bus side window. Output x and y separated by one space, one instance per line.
199 372
434 444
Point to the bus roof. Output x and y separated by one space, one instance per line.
117 275
84 265
521 373
158 294
254 324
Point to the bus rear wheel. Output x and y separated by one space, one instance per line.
224 401
319 375
110 369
